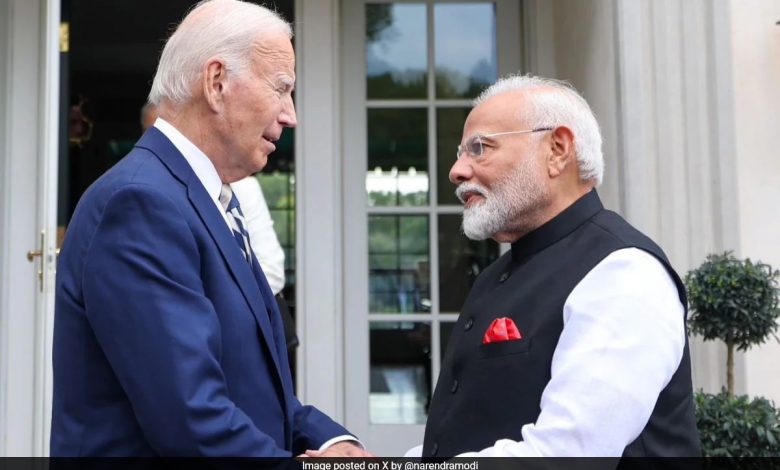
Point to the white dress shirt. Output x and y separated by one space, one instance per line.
207 174
198 161
622 341
262 237
260 226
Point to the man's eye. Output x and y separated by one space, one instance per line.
475 148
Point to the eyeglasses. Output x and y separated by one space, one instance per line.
473 146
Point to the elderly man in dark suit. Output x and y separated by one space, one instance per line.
167 338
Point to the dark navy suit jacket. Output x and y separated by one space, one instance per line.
166 342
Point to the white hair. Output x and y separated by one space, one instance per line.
558 104
228 29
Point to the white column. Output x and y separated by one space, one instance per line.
755 42
584 55
676 140
318 207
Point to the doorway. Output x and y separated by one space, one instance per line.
107 64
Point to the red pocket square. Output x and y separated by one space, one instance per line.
502 329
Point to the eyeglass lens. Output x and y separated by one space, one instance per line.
474 146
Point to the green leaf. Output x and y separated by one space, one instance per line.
738 426
732 298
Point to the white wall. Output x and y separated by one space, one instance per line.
755 40
688 94
659 81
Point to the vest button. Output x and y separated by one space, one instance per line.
435 448
503 277
469 324
454 387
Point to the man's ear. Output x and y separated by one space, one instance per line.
214 83
562 153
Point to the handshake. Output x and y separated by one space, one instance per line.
340 449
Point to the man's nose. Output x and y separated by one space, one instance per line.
287 117
461 170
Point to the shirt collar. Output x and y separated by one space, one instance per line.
201 164
558 227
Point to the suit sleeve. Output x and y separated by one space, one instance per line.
160 333
312 428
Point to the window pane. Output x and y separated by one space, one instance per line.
278 188
465 48
399 269
460 262
289 268
400 372
282 227
396 58
414 235
382 261
449 130
397 157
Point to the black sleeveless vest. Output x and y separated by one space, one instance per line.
489 392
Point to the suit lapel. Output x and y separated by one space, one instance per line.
156 142
261 305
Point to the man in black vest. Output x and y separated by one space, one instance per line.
573 343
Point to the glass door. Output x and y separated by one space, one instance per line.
411 70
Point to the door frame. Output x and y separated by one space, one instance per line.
318 217
29 51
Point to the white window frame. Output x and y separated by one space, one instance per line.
392 439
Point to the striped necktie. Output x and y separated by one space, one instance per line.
236 220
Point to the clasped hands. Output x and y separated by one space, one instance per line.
339 449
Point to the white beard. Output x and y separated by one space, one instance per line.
502 209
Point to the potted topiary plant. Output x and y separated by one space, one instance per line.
735 301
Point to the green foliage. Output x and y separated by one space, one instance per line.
733 300
452 83
397 198
278 189
737 427
379 17
398 235
408 83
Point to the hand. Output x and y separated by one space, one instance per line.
340 449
